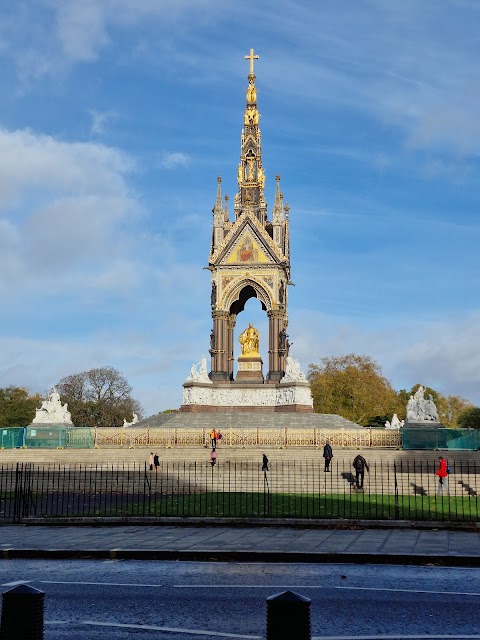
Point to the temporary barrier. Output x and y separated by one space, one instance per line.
12 437
432 438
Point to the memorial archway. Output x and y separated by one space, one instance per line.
224 321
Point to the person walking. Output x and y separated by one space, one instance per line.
360 464
265 467
156 461
150 461
264 462
442 473
327 455
213 457
213 439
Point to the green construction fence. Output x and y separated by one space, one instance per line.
433 438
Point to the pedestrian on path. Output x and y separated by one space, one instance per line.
213 439
150 461
360 464
327 455
156 461
442 473
213 457
264 462
265 467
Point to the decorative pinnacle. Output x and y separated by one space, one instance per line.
287 210
251 57
219 179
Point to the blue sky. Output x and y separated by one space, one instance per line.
116 118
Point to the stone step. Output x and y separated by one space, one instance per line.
240 420
125 455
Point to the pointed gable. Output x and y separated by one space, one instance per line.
247 243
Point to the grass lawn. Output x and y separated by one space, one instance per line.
280 505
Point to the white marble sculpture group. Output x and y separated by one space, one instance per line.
293 373
52 411
129 424
198 372
421 410
395 423
418 410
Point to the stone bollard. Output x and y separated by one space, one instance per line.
288 617
22 614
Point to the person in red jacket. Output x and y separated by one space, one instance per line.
442 473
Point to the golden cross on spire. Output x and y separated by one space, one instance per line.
251 57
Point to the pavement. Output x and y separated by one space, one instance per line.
350 544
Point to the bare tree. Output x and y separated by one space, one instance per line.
99 397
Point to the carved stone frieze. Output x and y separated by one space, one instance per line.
230 396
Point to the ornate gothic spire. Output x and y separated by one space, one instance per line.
251 177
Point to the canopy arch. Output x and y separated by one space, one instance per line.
241 292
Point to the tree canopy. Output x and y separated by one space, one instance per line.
17 406
352 386
99 397
470 418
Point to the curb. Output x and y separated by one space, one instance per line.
290 523
239 556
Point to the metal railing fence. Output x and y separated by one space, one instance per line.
290 489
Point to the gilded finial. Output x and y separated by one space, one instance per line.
287 210
219 179
251 57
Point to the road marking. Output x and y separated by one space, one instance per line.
193 632
16 583
446 593
317 586
105 584
248 586
435 636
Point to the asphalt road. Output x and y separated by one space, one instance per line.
176 600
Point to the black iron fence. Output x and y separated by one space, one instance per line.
289 489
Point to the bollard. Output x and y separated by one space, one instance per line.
22 614
288 617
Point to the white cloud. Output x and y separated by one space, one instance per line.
61 205
175 159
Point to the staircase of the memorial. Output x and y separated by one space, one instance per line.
414 469
243 420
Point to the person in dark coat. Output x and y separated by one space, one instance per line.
264 462
156 461
360 464
328 455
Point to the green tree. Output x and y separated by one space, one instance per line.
17 406
470 418
352 386
99 397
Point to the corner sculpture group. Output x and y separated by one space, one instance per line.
419 410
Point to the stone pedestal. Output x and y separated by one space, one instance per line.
292 397
250 370
423 424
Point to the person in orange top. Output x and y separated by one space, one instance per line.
442 473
